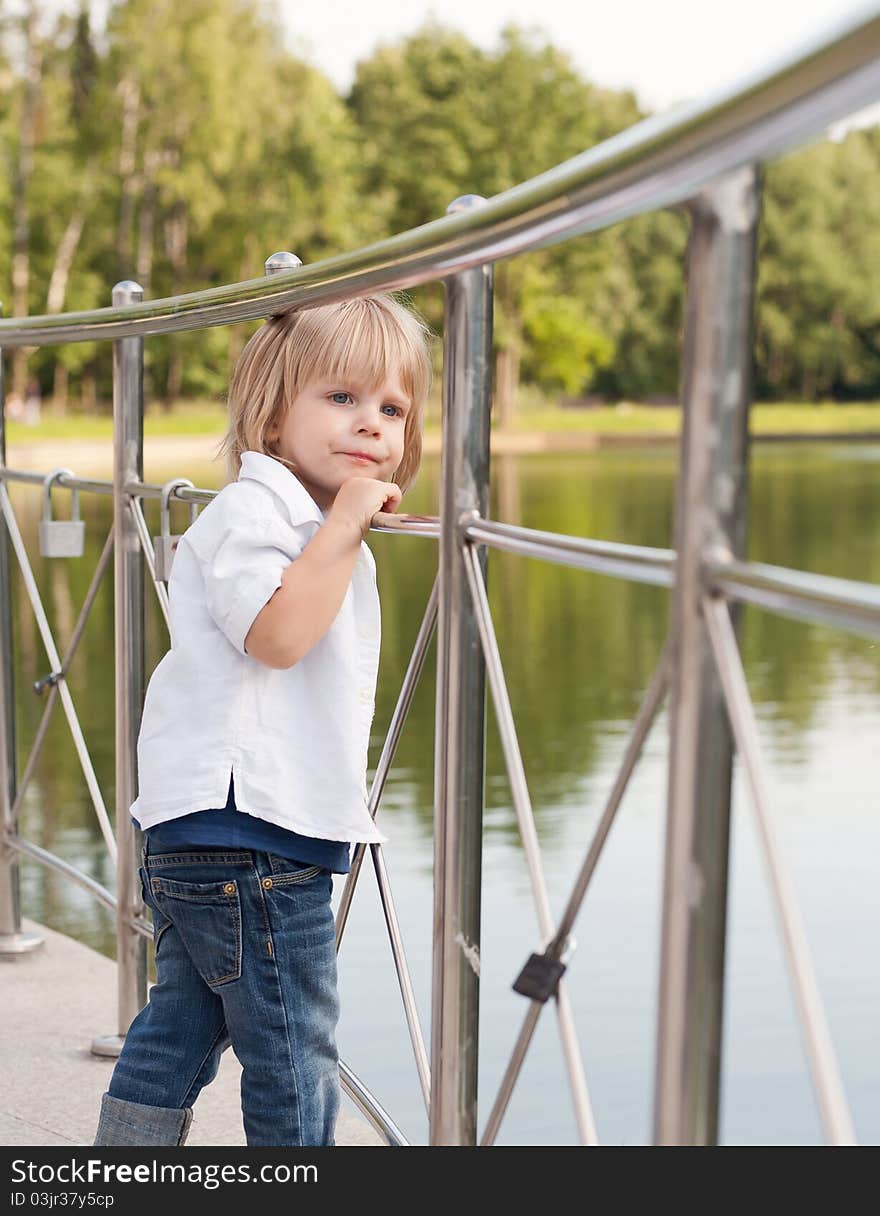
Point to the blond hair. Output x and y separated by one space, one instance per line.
367 339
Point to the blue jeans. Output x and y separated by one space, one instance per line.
245 954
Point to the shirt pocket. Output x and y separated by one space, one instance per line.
207 915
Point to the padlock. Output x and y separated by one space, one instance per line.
165 545
61 537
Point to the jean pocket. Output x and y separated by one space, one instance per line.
160 920
207 915
285 872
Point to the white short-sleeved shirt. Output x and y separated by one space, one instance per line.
295 740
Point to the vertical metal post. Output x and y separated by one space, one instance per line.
12 941
710 517
128 466
459 761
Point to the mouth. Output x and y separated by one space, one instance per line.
361 457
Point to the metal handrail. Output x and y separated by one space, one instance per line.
660 162
841 602
824 599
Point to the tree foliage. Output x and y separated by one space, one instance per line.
818 332
184 159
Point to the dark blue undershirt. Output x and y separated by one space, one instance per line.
230 828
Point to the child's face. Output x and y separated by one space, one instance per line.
330 419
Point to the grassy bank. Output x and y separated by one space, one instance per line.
777 419
208 418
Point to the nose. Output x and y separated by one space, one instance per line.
369 419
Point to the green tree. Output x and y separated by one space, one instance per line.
49 141
564 347
818 294
182 159
444 118
631 278
235 149
10 88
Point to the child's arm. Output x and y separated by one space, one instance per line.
313 586
309 598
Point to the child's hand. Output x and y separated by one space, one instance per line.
359 499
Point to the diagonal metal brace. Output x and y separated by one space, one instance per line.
539 977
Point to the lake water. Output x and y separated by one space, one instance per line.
579 650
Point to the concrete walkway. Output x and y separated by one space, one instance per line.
53 1003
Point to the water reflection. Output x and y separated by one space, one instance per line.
578 651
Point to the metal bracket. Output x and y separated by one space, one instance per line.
48 681
165 545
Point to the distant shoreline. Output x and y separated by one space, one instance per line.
93 455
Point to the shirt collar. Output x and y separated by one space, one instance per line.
257 466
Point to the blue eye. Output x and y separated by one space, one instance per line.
398 411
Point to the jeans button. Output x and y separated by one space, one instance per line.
267 884
229 888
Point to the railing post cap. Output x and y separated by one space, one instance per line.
283 260
464 202
127 292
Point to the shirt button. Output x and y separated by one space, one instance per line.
365 695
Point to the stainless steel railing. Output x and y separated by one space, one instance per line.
704 157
